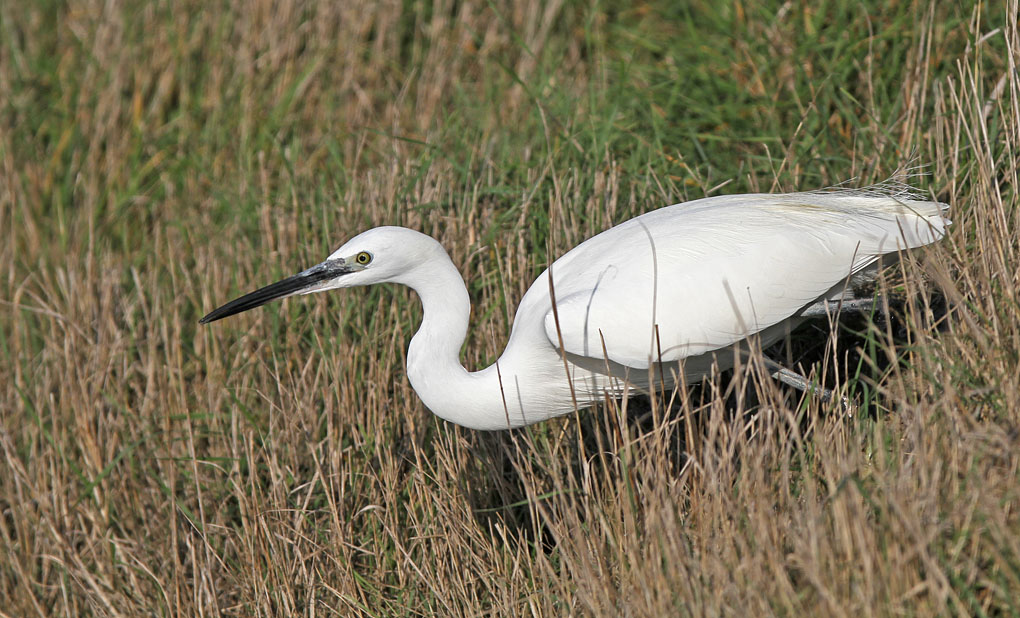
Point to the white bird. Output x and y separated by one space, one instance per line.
669 291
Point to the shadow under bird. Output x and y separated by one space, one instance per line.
664 293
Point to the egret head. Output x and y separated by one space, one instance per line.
379 255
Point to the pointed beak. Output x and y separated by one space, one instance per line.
304 282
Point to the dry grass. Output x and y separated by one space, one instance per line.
158 158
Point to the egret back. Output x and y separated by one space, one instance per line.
696 277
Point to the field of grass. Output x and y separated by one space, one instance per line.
159 158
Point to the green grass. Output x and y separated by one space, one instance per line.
156 159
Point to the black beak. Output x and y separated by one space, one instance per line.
305 281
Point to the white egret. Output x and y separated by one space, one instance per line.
671 290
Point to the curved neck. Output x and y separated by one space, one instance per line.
451 392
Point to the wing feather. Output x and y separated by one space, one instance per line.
704 275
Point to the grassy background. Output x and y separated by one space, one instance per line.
158 158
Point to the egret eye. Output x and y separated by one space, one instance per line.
363 258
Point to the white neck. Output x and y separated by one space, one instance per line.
473 400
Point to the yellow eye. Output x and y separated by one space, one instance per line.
363 258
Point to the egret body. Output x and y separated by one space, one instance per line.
667 292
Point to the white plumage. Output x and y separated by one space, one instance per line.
708 274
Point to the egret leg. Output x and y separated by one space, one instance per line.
852 304
801 383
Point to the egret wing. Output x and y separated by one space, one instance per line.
688 279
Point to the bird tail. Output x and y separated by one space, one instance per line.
918 221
